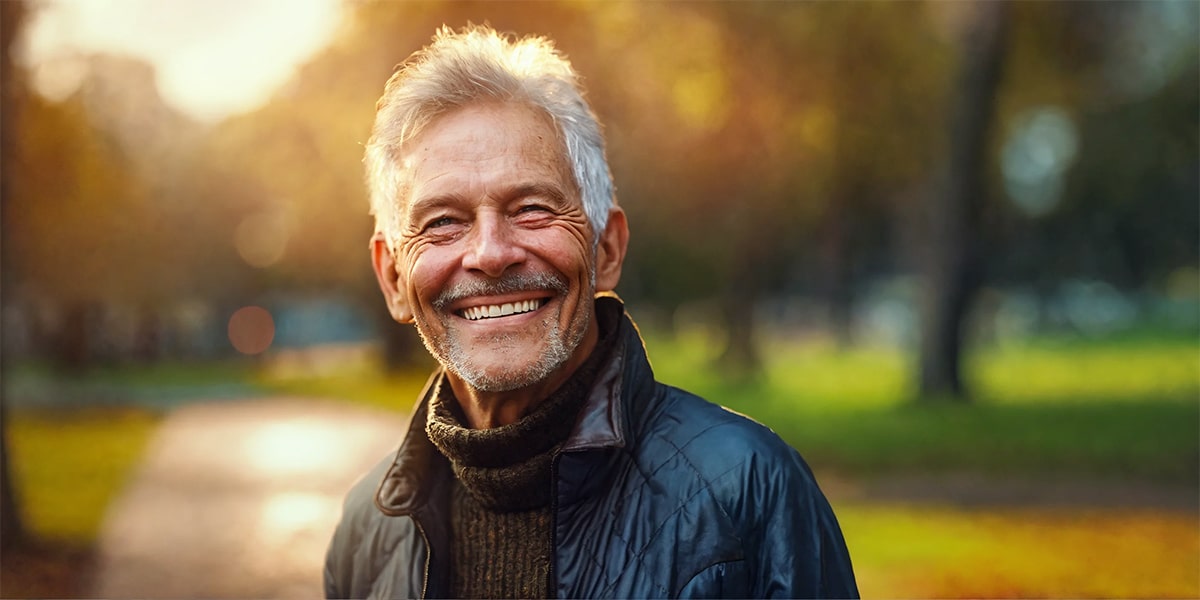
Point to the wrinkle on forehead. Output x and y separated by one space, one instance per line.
552 152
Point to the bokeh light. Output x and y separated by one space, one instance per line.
251 329
1042 145
262 238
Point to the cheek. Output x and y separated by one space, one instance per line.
567 248
427 274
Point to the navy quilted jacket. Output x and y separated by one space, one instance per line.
658 494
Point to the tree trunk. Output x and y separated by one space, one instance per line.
740 358
12 13
12 528
73 342
837 252
951 262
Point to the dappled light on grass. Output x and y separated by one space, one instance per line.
932 552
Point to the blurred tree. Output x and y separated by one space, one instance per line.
761 149
887 87
78 207
951 258
819 121
12 91
1109 94
98 188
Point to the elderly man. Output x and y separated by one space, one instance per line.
543 459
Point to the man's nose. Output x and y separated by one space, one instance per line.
493 248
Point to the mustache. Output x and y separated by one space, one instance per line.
506 284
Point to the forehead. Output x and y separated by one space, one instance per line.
472 148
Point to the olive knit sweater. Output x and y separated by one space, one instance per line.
501 512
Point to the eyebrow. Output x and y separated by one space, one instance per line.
428 203
526 190
506 194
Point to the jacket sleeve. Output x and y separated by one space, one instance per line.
796 547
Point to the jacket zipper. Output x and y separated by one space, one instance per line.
428 557
552 583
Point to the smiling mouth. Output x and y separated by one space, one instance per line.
492 311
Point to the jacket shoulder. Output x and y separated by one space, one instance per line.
719 442
790 538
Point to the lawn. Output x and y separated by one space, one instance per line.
1114 410
67 466
943 552
1122 409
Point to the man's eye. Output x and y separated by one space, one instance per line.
531 208
441 222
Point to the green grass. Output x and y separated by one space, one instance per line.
1120 409
67 466
941 552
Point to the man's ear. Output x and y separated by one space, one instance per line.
389 279
610 253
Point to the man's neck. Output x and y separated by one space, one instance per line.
485 410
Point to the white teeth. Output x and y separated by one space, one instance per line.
500 310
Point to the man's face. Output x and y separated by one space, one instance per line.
494 261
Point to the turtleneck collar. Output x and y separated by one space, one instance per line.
507 468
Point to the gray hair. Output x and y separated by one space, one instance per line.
473 65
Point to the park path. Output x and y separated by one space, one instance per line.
238 499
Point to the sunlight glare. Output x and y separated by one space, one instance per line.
213 57
295 447
284 515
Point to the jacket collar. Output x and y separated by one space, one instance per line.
601 422
414 471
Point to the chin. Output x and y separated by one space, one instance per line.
505 378
491 368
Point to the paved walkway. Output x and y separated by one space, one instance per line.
238 499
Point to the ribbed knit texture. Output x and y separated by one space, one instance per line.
500 512
499 554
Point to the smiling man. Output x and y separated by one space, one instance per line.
543 460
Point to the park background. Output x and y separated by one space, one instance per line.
947 250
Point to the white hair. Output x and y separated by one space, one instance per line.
474 65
